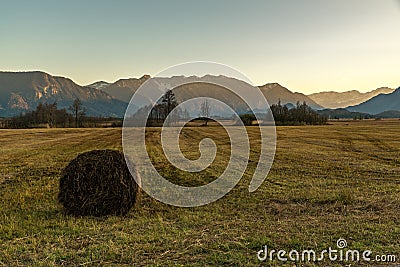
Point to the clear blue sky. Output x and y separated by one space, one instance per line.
308 46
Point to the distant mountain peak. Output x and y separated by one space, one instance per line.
274 92
271 85
98 85
145 77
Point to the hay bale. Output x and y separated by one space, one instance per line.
98 183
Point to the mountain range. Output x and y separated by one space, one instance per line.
380 103
334 100
124 89
23 91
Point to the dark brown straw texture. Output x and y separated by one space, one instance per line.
98 183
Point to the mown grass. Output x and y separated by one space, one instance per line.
327 182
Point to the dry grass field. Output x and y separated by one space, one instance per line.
327 182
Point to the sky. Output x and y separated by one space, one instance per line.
306 45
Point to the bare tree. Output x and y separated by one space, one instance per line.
205 110
185 115
78 111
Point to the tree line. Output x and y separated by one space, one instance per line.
45 115
49 116
301 114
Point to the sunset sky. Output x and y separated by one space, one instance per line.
307 46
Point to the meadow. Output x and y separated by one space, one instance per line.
327 182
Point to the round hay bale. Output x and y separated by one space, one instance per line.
98 183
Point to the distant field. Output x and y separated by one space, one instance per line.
327 182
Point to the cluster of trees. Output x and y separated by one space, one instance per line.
163 108
342 113
249 119
301 114
45 115
157 113
167 106
49 116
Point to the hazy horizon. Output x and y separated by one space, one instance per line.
307 46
